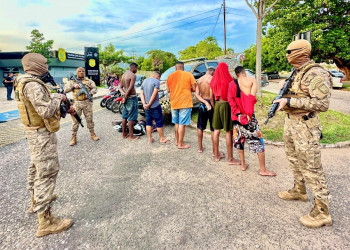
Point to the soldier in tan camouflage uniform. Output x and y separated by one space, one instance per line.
82 104
40 114
308 96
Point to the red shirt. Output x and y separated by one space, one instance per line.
219 83
240 104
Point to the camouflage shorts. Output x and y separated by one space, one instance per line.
250 133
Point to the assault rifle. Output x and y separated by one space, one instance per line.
282 92
83 89
65 106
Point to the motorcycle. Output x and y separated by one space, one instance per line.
112 92
116 105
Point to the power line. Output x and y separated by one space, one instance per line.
216 21
239 9
153 27
164 29
231 13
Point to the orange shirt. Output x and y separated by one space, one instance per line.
179 84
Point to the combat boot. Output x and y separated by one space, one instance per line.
51 225
73 141
298 192
32 202
318 217
93 135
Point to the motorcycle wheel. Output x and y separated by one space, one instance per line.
103 103
121 108
109 102
115 107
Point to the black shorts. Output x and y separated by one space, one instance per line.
204 116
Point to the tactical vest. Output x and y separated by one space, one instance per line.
29 116
81 97
295 90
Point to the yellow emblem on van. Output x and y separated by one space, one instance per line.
61 55
92 63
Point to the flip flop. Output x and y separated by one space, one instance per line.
165 142
267 175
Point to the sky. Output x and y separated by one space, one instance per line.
132 25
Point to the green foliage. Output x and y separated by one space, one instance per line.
115 69
158 60
328 20
139 60
335 125
38 44
208 48
109 57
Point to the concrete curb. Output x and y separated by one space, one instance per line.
343 144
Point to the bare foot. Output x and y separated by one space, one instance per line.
133 138
183 146
200 150
150 141
221 155
125 136
267 173
234 162
244 167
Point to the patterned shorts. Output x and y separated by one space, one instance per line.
250 133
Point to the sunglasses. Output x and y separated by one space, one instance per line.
289 51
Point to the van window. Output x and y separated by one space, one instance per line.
212 64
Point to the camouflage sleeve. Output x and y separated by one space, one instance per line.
69 86
93 89
319 87
43 103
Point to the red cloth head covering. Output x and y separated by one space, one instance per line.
219 83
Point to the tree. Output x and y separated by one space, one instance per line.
115 69
109 57
208 48
38 45
328 21
273 58
260 12
139 60
158 60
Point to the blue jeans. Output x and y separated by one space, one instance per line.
9 91
154 114
131 109
181 116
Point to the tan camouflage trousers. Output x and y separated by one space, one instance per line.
43 168
86 108
303 152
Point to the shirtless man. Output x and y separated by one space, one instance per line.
204 95
221 116
241 96
130 112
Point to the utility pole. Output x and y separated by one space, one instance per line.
224 25
133 55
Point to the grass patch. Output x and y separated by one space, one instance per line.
335 125
346 87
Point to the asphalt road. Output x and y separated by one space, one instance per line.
340 100
128 195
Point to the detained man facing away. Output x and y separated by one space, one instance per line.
130 100
180 85
241 97
204 95
153 109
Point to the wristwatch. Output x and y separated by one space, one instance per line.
288 102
